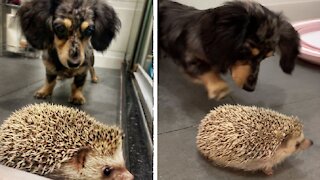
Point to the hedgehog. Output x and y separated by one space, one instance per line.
249 138
60 142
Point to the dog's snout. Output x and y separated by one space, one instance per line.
74 54
74 49
250 85
249 88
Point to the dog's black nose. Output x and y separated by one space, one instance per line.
73 64
248 88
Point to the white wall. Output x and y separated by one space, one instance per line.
129 12
295 10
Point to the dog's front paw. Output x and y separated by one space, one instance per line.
94 79
218 91
42 94
77 99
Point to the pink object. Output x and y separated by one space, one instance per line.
310 40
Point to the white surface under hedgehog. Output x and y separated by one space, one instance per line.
249 138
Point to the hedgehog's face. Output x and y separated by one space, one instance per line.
106 167
301 143
294 144
89 164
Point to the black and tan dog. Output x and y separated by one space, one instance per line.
236 36
67 30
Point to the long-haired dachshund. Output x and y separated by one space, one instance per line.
67 30
236 36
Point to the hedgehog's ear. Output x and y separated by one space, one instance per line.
79 157
285 140
107 24
35 21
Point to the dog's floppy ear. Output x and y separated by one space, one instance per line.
107 24
35 18
289 45
223 31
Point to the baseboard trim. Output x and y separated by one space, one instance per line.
108 59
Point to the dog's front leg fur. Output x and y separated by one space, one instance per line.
76 90
47 88
217 88
94 77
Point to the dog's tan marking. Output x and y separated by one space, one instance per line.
45 90
76 95
271 53
82 46
85 42
240 73
84 25
59 43
67 22
255 51
217 88
62 47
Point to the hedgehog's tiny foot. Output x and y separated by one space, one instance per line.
95 79
77 99
42 93
268 171
218 91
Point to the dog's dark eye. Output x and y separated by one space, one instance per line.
60 30
107 171
89 31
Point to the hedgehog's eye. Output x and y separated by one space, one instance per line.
297 145
107 171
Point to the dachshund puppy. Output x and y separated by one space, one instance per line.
236 36
68 31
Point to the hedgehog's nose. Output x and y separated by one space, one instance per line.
127 176
311 143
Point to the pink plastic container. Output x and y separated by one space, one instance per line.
310 40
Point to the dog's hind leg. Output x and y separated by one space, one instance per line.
47 88
217 88
76 90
